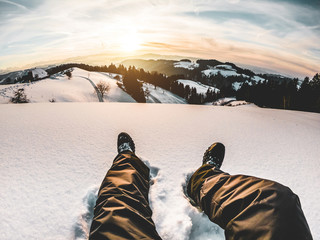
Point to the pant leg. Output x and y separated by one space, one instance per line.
122 209
247 207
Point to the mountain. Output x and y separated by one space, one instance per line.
23 76
204 71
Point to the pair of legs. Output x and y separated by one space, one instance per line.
245 207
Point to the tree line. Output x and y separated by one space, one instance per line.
285 95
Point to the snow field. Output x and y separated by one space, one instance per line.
54 157
61 89
227 71
185 64
160 95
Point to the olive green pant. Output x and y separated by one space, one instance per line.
122 209
246 207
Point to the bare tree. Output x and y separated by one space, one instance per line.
103 88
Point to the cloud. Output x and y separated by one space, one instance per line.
13 3
233 30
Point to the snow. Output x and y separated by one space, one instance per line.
225 70
160 95
257 78
201 88
186 65
225 66
237 103
225 73
39 72
237 85
54 157
223 101
61 89
36 72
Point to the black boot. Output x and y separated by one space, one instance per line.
214 155
125 143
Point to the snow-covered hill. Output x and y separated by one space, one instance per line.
186 64
59 88
201 88
160 95
227 71
80 88
37 73
54 157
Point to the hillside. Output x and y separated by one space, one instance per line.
211 72
25 75
78 88
54 157
227 80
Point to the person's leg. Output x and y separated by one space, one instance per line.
122 209
247 207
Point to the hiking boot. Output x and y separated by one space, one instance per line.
214 155
125 143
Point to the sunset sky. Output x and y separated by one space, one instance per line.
281 35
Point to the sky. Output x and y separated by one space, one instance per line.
282 35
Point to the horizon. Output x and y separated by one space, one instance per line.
281 36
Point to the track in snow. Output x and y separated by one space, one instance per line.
95 88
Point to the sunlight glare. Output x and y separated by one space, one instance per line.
130 42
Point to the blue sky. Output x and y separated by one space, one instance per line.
279 35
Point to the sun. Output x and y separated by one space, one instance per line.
130 42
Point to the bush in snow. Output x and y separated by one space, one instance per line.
69 74
103 88
147 93
19 96
117 77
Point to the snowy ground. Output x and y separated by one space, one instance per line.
186 64
227 71
62 89
54 157
229 102
160 95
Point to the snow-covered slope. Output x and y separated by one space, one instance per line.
37 73
229 102
201 88
60 89
227 71
80 89
160 95
54 157
186 64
